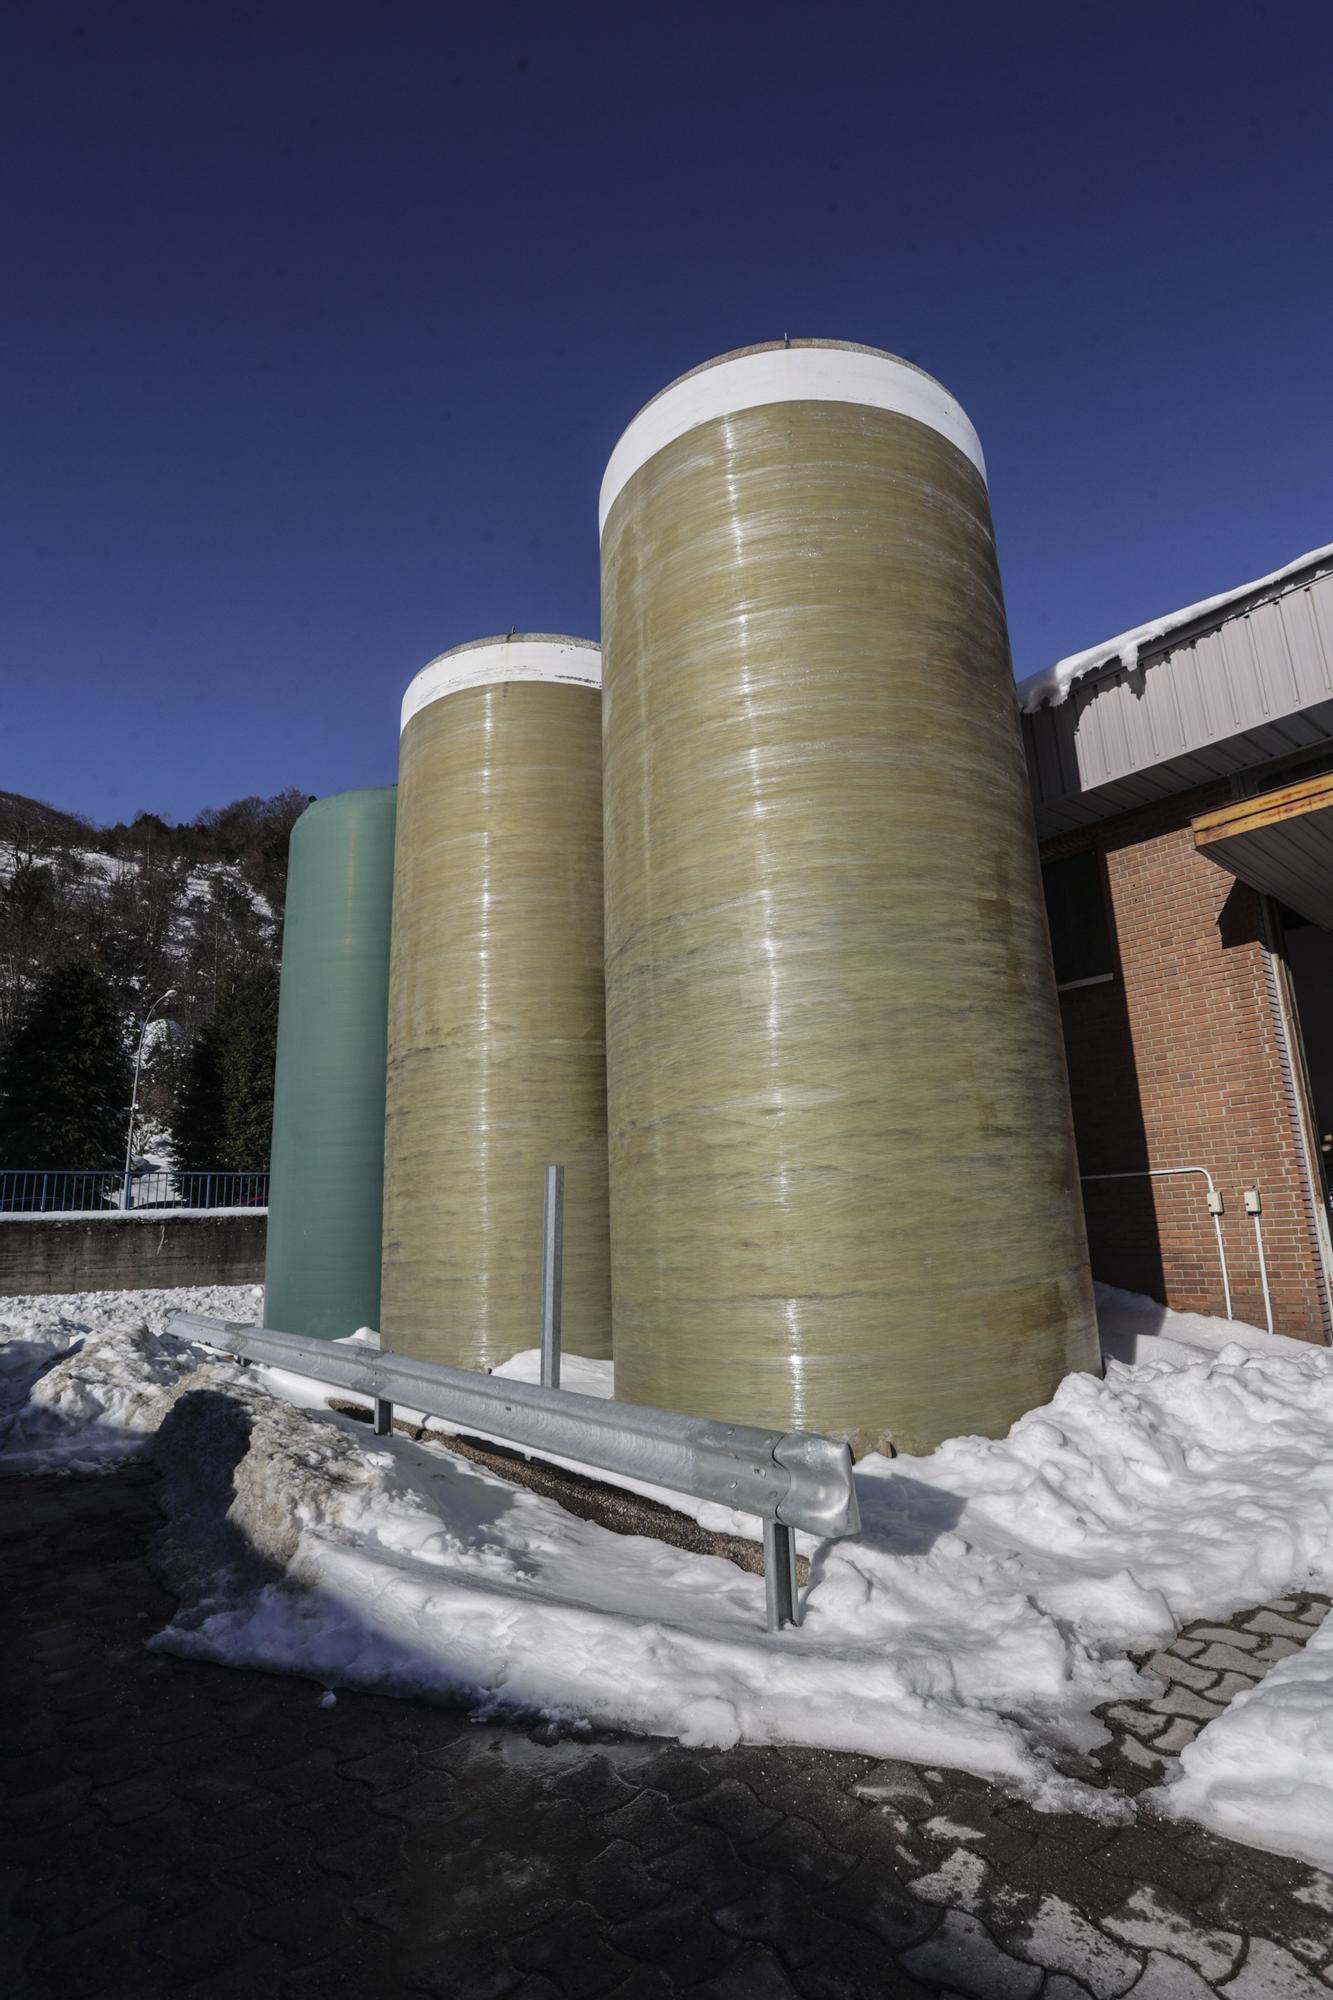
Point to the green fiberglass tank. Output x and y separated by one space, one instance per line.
322 1275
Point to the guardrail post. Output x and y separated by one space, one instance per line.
553 1232
383 1417
780 1585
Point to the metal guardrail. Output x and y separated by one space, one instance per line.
75 1190
790 1479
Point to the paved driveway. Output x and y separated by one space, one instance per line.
173 1828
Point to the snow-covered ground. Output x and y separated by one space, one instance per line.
157 1209
983 1612
84 1377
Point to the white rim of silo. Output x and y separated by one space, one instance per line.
527 656
800 371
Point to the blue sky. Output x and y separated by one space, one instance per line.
321 321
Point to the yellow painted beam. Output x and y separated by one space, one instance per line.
1266 809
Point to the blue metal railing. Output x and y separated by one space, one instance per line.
66 1191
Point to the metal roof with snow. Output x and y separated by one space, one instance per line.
1235 681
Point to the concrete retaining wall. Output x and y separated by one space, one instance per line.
112 1253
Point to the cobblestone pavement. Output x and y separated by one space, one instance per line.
1205 1666
172 1828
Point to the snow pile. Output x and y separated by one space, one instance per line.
1188 1485
410 1569
983 1612
84 1378
1051 686
1263 1772
250 1486
577 1372
1133 1328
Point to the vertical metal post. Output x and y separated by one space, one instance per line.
383 1417
553 1234
784 1597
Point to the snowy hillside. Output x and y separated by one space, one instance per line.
149 906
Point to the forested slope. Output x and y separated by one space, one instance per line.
149 906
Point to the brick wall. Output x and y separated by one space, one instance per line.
1178 1062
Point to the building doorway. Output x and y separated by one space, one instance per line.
1308 950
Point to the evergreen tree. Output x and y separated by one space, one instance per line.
224 1106
65 1076
200 1122
248 1050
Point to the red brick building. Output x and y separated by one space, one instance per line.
1183 782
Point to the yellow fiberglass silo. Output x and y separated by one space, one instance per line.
844 1192
497 1060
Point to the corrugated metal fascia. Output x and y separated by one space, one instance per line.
1267 659
1237 607
1276 638
1189 773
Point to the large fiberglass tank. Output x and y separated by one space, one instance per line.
497 1060
843 1183
322 1270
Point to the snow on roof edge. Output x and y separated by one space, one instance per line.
1051 685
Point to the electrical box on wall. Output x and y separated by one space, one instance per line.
1253 1205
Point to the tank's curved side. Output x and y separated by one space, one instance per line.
322 1267
497 1062
844 1191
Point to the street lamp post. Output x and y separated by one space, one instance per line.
160 1001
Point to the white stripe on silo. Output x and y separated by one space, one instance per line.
576 661
830 374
